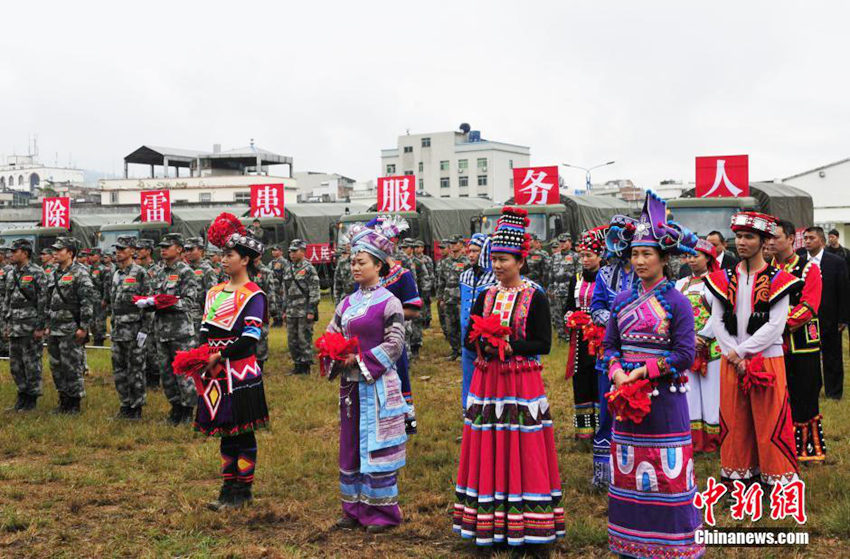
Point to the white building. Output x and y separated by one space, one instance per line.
456 164
364 191
323 187
216 176
25 172
829 187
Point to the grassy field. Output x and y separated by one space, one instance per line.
91 486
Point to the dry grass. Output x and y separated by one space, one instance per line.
90 486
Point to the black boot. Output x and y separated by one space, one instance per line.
125 413
225 496
63 404
136 413
99 341
188 415
20 402
73 405
241 495
30 402
176 414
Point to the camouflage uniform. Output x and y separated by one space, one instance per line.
423 284
4 272
100 281
207 279
152 373
344 284
175 330
278 266
128 322
564 266
449 293
438 273
301 296
429 284
71 297
265 278
25 305
538 267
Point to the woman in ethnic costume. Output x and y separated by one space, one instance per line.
581 363
704 378
508 484
372 408
651 335
232 404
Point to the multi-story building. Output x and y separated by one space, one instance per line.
26 173
214 177
456 164
828 186
323 187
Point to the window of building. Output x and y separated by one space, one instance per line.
35 180
426 142
463 195
390 169
2 182
205 197
510 163
242 197
444 165
113 197
482 180
445 195
462 164
421 166
463 181
482 163
408 149
444 182
409 173
421 185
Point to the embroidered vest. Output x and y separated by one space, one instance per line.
805 339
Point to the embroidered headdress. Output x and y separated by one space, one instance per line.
709 251
227 232
755 222
510 235
593 240
651 229
376 237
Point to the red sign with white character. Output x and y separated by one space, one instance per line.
56 212
397 194
727 175
319 253
267 200
156 205
536 186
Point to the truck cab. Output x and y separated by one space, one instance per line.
704 215
545 221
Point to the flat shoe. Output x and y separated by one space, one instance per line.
347 523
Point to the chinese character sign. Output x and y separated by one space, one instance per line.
536 186
723 176
156 205
267 200
56 212
397 194
319 253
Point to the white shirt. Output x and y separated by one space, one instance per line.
816 258
767 340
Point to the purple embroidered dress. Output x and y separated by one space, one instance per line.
372 435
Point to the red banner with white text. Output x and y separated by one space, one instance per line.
56 212
156 205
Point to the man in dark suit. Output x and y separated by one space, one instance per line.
833 313
725 259
834 247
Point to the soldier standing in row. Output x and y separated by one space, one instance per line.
5 268
419 253
538 263
438 272
278 264
423 284
300 306
264 277
100 280
129 329
69 319
175 330
143 257
26 289
46 257
565 265
449 292
207 278
344 284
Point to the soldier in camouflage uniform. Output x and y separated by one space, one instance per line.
100 279
538 264
278 265
264 277
344 284
207 277
26 289
428 264
423 284
438 273
300 306
129 332
173 325
143 257
449 292
70 316
5 268
565 265
46 257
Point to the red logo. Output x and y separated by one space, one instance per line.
267 200
723 176
397 194
319 253
156 205
56 212
536 186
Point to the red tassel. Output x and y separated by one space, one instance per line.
757 375
631 401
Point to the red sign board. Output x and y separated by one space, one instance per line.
536 186
267 200
397 194
724 175
156 205
319 253
56 212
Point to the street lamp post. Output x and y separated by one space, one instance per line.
587 171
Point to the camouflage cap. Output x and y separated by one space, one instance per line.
193 242
47 250
143 243
22 244
419 243
456 239
125 241
66 242
96 251
85 252
297 244
564 237
171 239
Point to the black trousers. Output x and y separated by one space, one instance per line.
803 373
833 363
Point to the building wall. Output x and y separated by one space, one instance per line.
55 174
192 190
830 195
411 157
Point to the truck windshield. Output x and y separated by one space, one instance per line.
7 239
702 221
537 225
108 238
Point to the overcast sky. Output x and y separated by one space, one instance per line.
649 84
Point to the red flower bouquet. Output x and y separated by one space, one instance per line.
757 375
630 401
192 363
577 320
491 330
335 347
